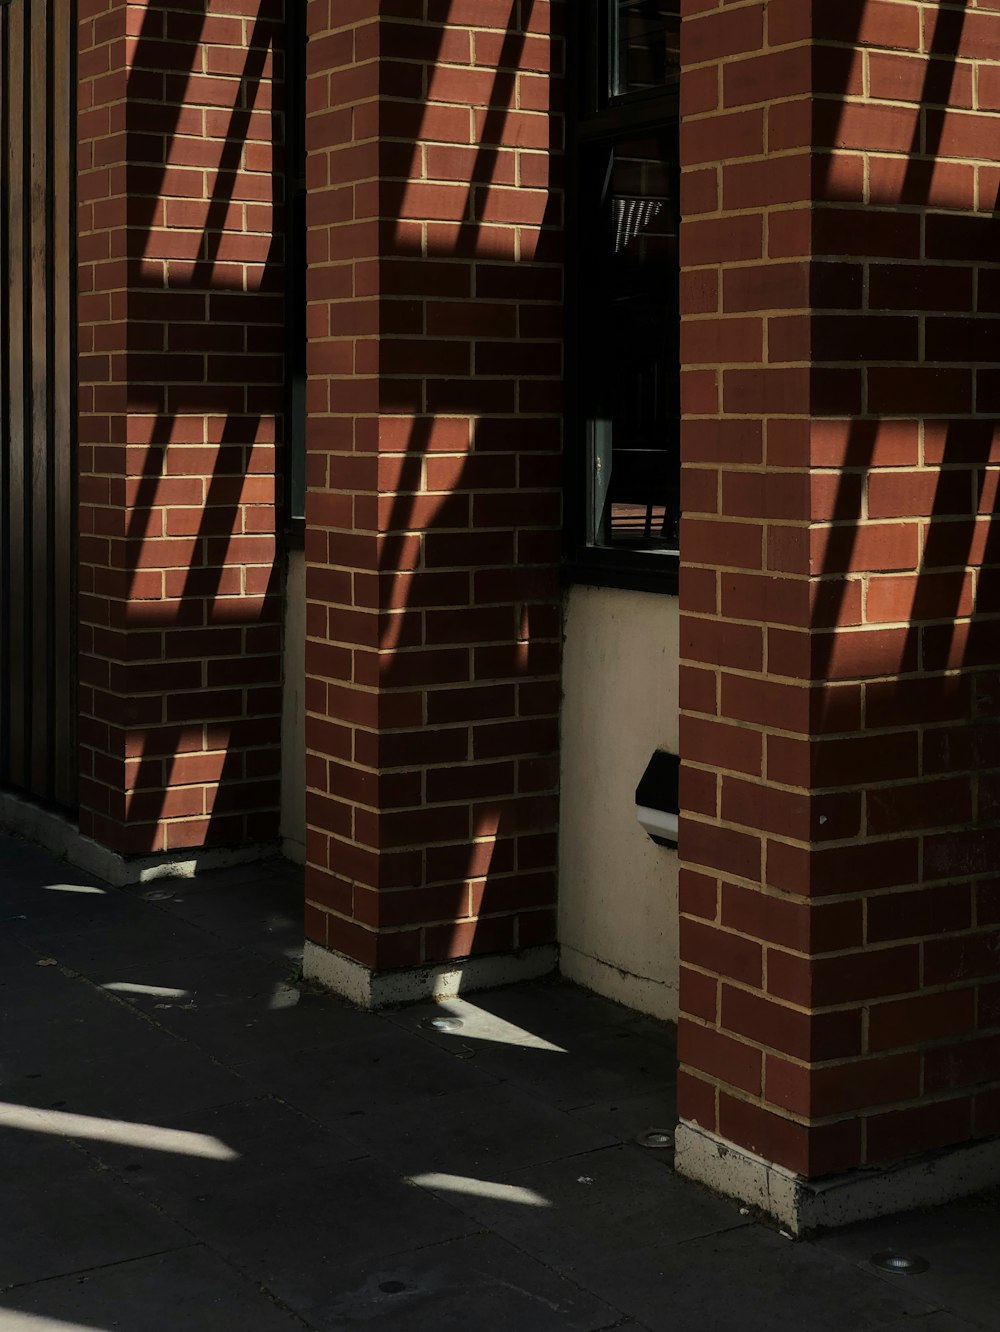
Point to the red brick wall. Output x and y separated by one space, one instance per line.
839 909
180 316
433 510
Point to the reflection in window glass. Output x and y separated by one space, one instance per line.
647 39
635 441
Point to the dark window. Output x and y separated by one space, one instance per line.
623 427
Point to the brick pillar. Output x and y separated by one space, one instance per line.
180 314
433 507
839 690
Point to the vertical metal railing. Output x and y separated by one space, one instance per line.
37 406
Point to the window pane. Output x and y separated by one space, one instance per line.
634 349
646 45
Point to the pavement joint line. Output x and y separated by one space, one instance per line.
549 1267
279 1303
96 1267
134 1186
145 1015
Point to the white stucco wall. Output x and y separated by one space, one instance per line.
617 888
293 727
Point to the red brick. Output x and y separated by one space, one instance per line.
720 952
961 957
698 995
695 1100
719 1056
922 1019
965 1064
697 894
902 1133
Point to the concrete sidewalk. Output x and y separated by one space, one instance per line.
189 1140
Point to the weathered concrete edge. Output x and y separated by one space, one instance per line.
641 993
381 989
61 837
802 1206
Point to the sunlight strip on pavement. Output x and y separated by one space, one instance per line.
74 888
151 1137
130 987
479 1188
12 1321
478 1024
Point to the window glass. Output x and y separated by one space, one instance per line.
633 349
646 42
623 346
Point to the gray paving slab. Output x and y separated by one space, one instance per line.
481 1131
157 1078
23 863
752 1280
479 1282
286 1025
259 1139
31 1149
253 907
372 1074
55 1224
548 1010
942 1321
582 1209
188 1290
612 1062
597 1059
961 1242
62 902
626 1117
157 953
290 1231
35 988
63 1022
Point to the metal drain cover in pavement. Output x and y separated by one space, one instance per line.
656 1138
443 1023
902 1264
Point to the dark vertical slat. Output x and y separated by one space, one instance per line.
61 443
4 407
40 539
15 297
37 400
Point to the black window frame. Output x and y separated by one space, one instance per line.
597 120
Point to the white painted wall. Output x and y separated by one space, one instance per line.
293 716
617 889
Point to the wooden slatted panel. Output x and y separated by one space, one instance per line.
37 411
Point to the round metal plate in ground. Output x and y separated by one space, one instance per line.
443 1023
659 1139
158 895
901 1264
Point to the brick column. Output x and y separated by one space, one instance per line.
839 684
433 507
180 314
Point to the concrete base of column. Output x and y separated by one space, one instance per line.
62 838
802 1206
381 989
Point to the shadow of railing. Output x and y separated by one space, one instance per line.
201 594
466 566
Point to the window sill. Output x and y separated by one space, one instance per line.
637 571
